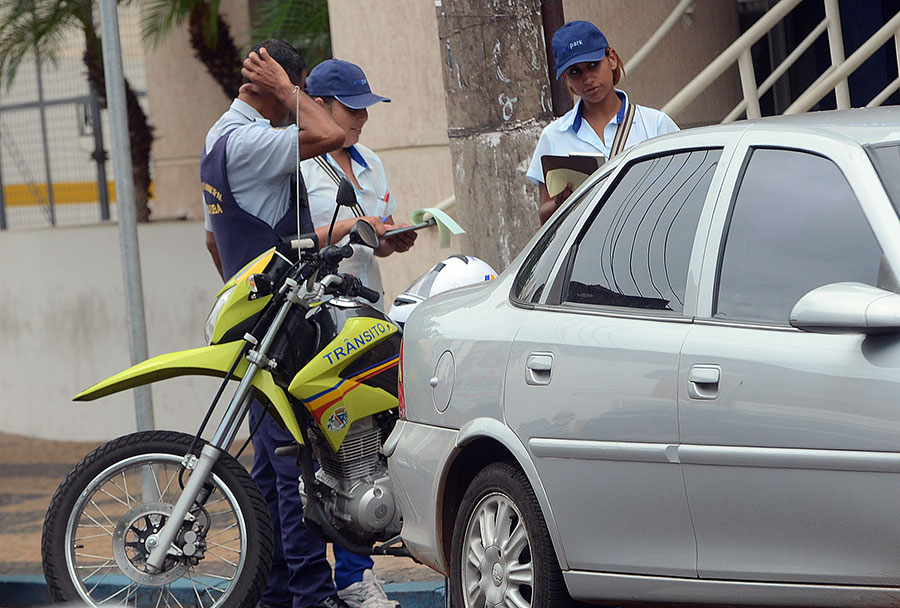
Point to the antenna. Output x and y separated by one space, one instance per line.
296 121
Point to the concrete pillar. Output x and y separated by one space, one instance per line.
498 100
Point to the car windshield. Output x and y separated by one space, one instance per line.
886 158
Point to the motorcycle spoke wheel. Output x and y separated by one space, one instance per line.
105 518
113 526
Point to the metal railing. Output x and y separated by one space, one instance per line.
834 78
684 8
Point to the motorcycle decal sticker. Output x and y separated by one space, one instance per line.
359 341
338 419
319 403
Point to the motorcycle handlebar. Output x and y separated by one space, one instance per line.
349 285
369 294
333 254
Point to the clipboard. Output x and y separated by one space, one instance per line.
425 224
562 170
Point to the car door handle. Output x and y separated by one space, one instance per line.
703 381
538 369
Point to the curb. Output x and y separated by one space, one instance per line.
29 590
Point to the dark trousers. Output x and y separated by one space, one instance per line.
301 574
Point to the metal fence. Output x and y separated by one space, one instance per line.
53 152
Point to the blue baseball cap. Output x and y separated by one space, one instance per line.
575 42
344 81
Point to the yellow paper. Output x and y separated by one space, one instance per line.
557 179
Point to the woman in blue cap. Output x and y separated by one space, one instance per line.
591 68
342 88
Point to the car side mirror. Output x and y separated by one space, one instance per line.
362 233
847 308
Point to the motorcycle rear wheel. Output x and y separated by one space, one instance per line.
104 515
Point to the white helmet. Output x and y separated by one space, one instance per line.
455 271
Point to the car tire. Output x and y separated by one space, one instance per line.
512 563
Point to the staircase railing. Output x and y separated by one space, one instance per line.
834 78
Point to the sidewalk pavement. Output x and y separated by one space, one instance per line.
30 471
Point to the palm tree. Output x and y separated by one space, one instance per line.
39 26
210 36
302 23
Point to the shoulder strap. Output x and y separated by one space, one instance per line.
330 171
622 132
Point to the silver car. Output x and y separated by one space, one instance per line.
685 389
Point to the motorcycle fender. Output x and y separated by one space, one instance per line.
336 402
214 361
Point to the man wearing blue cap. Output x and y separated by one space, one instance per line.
591 68
343 90
248 172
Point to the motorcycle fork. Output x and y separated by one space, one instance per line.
202 467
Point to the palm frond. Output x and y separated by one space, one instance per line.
302 23
35 26
160 16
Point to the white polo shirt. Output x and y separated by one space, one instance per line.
260 160
374 196
571 134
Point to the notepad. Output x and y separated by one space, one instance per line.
562 170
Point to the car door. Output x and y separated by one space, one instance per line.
790 439
591 379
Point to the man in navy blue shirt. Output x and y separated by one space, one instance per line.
250 160
248 175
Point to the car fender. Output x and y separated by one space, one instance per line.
491 428
213 360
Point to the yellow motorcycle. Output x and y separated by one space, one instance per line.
161 518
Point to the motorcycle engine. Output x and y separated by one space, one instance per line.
361 499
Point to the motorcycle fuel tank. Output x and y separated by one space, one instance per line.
354 374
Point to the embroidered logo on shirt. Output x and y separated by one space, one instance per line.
207 188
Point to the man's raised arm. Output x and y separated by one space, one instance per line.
318 132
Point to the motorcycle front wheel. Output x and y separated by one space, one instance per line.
104 518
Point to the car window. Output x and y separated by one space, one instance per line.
532 278
636 251
795 225
886 158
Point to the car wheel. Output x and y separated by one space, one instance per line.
501 553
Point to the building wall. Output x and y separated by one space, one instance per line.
401 59
689 47
184 103
64 327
